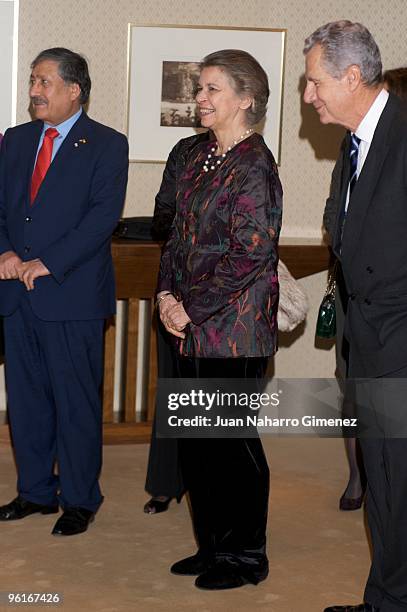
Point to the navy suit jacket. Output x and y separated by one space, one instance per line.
70 223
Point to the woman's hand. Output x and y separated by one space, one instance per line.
165 300
165 305
177 316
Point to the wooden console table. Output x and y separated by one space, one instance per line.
136 266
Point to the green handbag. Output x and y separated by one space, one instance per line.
326 321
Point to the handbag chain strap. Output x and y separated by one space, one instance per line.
330 290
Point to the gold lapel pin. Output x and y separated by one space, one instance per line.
80 141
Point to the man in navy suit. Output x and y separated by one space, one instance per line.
62 186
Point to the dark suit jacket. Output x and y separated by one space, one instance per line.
70 222
333 201
374 249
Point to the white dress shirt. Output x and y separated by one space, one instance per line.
366 129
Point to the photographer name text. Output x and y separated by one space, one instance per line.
259 421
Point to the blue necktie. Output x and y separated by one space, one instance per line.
354 150
353 159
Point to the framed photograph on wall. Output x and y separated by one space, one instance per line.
163 70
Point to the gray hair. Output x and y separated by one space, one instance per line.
345 43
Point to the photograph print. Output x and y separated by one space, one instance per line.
179 82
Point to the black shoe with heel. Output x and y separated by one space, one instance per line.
156 505
347 504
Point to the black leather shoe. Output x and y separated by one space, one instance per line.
364 607
224 575
190 566
20 508
73 521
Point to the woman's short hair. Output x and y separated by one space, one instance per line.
345 43
246 76
72 68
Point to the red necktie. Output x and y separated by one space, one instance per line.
43 161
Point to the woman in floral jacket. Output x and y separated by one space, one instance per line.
218 298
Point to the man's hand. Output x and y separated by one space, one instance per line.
30 270
10 265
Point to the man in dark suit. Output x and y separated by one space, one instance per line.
344 84
62 187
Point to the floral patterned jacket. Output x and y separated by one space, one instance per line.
222 254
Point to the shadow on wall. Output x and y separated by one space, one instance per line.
286 339
324 139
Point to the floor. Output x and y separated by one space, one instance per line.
318 555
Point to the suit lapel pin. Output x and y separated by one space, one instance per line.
80 141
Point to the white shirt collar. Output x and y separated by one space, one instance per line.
367 126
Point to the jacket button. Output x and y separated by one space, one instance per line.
28 219
27 249
367 302
369 269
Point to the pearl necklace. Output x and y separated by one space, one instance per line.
211 165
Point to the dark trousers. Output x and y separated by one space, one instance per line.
383 411
227 480
53 377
